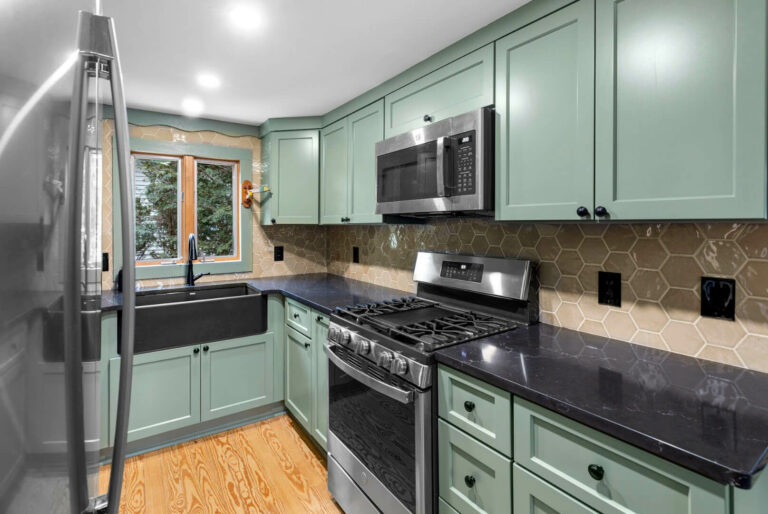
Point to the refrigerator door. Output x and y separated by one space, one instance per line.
56 73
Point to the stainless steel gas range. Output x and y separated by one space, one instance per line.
381 434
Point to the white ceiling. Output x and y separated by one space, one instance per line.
306 58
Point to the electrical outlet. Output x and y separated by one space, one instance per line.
609 288
105 261
356 254
718 298
278 253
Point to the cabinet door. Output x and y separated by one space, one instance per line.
165 393
236 375
680 112
291 168
366 128
532 494
299 376
334 173
545 103
463 85
320 412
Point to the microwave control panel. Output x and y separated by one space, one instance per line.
464 159
471 272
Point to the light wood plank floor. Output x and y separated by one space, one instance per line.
268 466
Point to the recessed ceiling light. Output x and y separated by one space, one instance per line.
192 106
245 17
208 80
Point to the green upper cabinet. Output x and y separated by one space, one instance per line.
463 85
348 167
290 168
366 128
236 375
333 172
681 109
545 104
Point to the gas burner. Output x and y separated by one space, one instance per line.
386 307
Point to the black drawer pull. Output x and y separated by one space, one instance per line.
595 471
469 406
295 315
469 480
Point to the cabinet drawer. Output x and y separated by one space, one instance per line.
482 410
532 494
473 478
298 317
444 508
463 85
561 451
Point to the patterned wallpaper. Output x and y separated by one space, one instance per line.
660 265
304 246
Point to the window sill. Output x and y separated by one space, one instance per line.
179 270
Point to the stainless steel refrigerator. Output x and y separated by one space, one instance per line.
59 66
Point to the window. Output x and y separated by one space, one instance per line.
178 195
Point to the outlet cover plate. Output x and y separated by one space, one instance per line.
278 253
718 298
609 288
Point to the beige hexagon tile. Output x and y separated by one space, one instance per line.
495 234
569 262
569 236
681 304
721 257
718 354
753 240
648 253
591 309
593 327
528 236
682 271
620 325
619 238
549 300
752 313
649 316
652 339
619 262
720 332
547 248
753 351
569 315
588 277
682 238
649 284
593 229
569 289
753 278
510 246
682 338
593 250
721 230
648 229
549 274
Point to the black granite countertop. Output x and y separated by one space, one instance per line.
708 417
321 291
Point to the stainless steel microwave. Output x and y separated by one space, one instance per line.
443 168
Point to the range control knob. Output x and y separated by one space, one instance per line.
333 334
363 346
400 367
345 337
384 360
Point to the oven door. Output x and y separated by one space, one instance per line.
379 437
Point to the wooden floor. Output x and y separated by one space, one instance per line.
268 466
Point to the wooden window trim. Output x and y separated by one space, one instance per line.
187 208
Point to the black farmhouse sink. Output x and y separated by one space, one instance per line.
184 316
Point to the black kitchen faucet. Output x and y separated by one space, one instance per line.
192 255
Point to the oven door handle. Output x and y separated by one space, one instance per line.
387 390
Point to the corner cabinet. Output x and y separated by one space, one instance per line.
289 162
458 87
545 105
681 109
306 371
348 167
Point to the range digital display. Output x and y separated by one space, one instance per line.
468 271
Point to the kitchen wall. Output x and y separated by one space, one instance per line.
661 266
304 246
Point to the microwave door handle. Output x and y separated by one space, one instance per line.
387 390
440 168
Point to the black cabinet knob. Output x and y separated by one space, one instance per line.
469 480
601 211
427 118
295 315
206 348
306 345
319 318
469 406
196 351
595 471
582 212
273 220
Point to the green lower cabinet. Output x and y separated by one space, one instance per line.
165 393
473 478
298 376
545 105
622 480
444 508
320 410
534 495
237 375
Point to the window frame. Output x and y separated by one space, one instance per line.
242 262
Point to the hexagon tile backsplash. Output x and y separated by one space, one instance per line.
660 265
